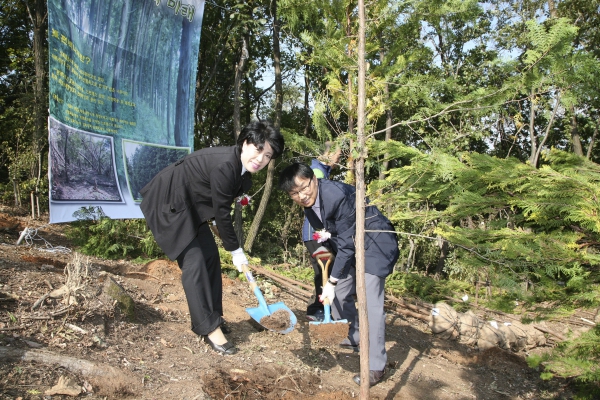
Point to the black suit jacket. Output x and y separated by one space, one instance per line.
338 216
191 191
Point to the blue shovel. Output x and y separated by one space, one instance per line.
263 310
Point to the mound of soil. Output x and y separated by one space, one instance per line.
328 334
166 360
279 321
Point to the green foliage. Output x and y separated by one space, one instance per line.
12 317
416 285
503 218
577 358
98 235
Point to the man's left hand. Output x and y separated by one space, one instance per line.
328 293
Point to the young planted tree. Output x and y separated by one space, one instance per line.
361 290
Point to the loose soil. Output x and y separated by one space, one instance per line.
328 334
157 356
279 321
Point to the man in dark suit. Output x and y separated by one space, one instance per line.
180 202
330 207
322 170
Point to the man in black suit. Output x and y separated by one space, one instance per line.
179 204
330 207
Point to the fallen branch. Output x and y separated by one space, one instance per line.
278 279
5 296
588 321
403 304
141 273
58 313
77 329
409 313
263 271
14 328
77 365
36 317
548 331
40 301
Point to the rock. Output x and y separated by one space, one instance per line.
114 291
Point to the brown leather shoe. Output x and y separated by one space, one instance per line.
374 377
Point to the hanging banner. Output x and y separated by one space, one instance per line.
122 86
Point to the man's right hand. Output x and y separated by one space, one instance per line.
328 293
239 258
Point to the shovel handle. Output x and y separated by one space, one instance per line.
249 277
326 305
254 286
324 269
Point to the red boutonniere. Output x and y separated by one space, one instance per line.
321 236
244 200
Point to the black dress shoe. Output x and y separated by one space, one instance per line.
346 344
226 348
374 377
225 328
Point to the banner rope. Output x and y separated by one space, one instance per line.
30 235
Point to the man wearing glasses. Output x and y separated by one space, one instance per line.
321 167
330 207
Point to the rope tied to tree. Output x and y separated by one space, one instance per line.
30 235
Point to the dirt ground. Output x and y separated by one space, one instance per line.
155 355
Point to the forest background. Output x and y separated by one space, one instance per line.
481 121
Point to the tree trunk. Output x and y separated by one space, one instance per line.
360 207
260 212
575 138
306 102
351 173
40 70
443 244
410 260
38 18
540 146
239 73
532 135
238 222
552 9
388 132
592 141
16 191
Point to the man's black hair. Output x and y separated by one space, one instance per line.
287 177
259 132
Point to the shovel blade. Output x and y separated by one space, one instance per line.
327 317
258 313
339 321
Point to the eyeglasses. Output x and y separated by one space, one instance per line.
302 190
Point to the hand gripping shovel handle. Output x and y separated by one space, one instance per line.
254 286
326 305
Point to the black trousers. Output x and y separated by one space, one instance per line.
315 304
201 278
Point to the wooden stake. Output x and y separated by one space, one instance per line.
32 205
